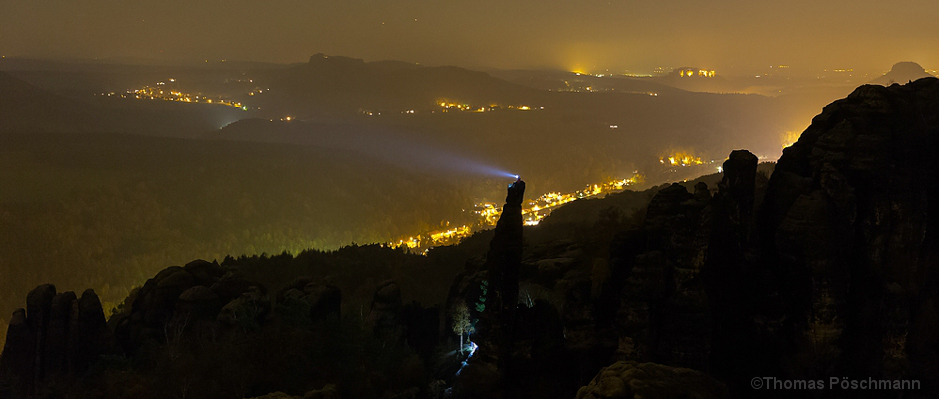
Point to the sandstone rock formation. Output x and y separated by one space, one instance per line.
659 308
310 301
199 298
902 73
849 227
493 292
53 342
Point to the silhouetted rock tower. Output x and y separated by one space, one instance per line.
503 263
497 308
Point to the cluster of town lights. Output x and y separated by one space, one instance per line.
533 212
681 159
161 92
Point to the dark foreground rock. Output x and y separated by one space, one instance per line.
625 380
849 230
53 342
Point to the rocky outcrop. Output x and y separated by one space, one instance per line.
198 303
629 379
660 311
16 360
902 73
735 287
58 347
94 337
503 262
835 274
491 292
245 313
54 341
305 301
38 308
200 298
849 230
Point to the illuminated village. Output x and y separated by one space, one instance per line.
533 213
682 159
690 72
450 105
163 91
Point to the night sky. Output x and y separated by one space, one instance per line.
729 35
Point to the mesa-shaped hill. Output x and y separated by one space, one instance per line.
902 73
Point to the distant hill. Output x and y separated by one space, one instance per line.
28 108
24 107
330 85
902 72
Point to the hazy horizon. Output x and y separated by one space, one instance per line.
731 36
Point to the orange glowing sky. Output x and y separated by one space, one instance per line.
729 35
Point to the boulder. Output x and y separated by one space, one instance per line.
325 301
204 272
199 303
384 318
329 391
245 312
293 307
230 287
299 283
633 380
169 288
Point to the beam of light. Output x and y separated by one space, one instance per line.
396 148
402 150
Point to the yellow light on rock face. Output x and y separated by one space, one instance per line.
790 138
